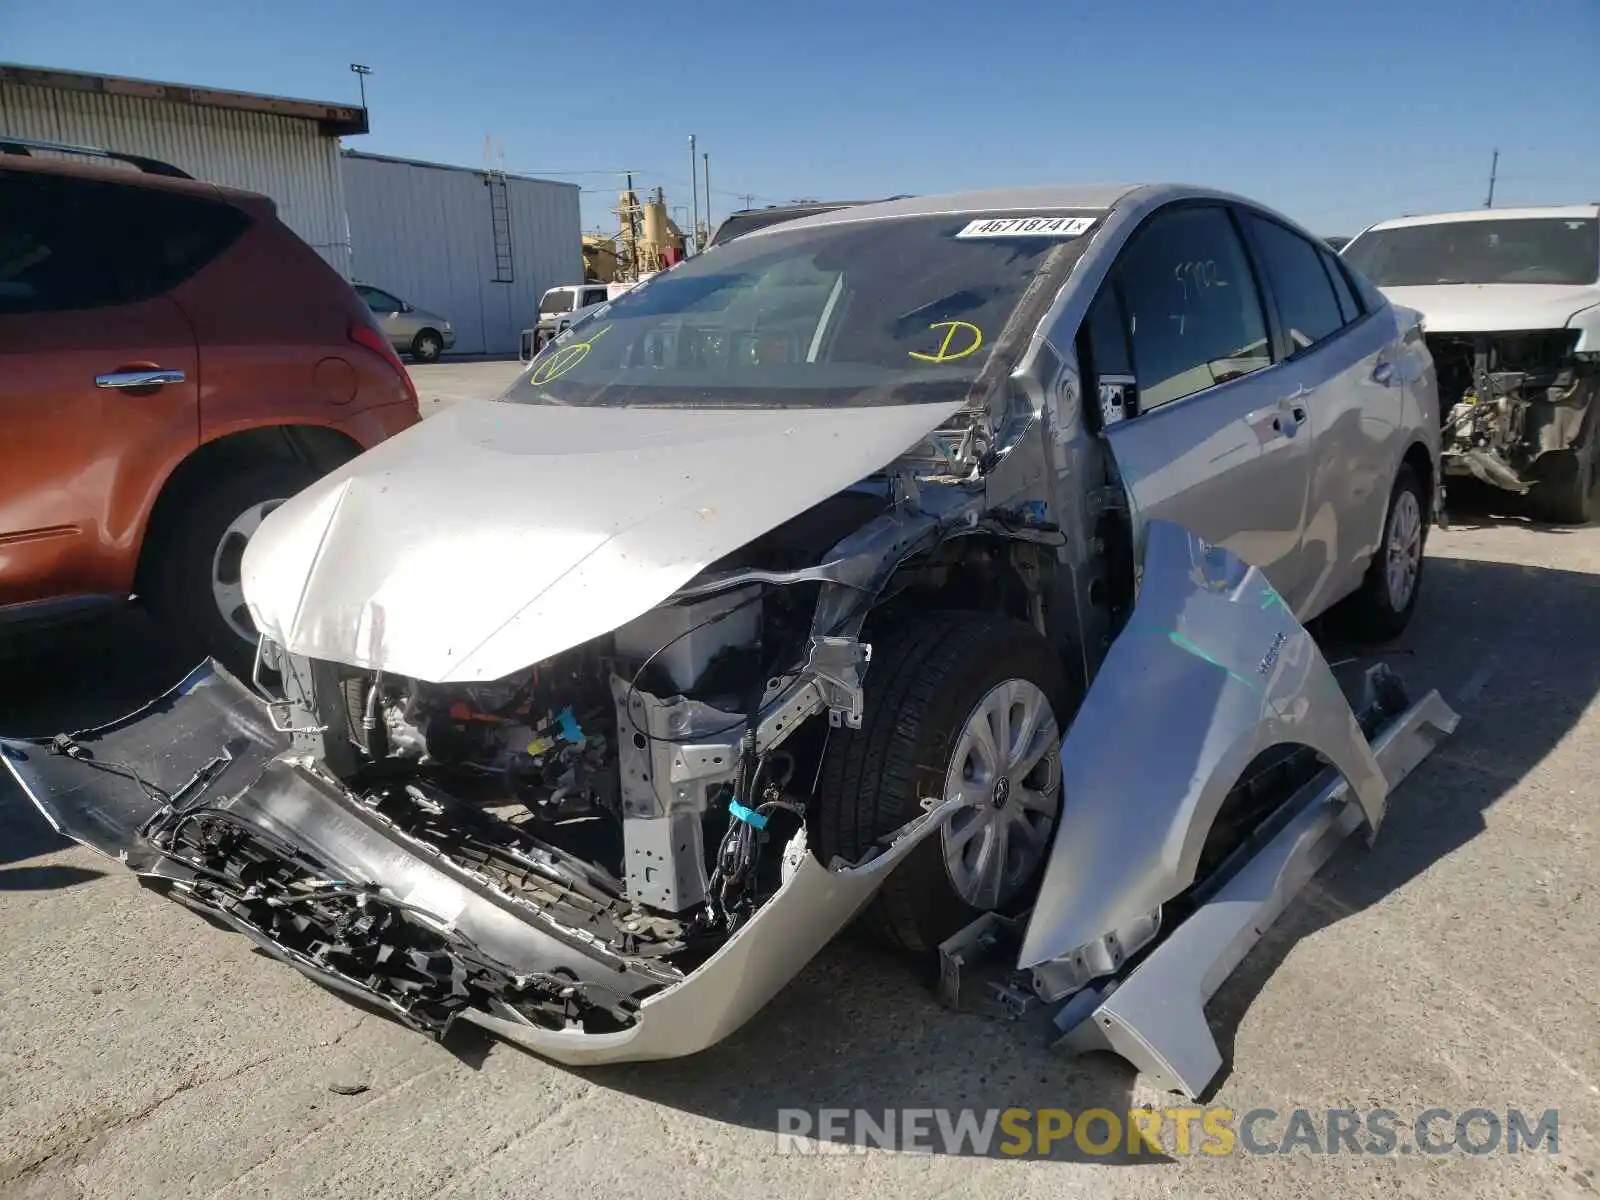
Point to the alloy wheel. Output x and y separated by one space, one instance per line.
1007 766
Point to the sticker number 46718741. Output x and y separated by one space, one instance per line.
1059 227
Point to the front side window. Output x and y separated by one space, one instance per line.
380 302
897 311
69 244
1194 317
1306 301
558 300
1561 250
594 296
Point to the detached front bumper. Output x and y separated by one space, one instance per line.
445 945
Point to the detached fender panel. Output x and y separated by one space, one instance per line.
1212 670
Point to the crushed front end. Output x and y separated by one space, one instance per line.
1516 407
392 887
603 856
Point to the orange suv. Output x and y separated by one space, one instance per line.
174 363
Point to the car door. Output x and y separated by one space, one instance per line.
99 369
1212 436
1339 362
391 316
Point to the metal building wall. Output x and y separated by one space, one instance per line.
282 157
424 232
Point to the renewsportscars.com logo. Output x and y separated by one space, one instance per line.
1213 1130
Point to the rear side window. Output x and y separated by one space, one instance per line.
1349 306
594 296
1193 313
1305 297
69 244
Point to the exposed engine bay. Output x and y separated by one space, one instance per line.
621 792
1506 400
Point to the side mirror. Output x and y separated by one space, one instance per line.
406 306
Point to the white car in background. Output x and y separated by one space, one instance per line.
1511 311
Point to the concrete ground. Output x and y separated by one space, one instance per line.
444 383
1456 964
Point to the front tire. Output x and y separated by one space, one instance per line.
1564 494
427 346
191 565
956 703
1381 609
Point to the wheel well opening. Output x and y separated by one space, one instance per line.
1419 460
320 448
975 573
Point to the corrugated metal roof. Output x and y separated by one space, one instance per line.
332 120
285 158
433 166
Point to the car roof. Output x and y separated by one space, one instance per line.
97 169
1490 214
1093 197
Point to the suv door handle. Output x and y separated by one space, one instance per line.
1383 372
137 379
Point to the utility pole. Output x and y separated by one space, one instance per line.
694 187
706 160
1494 167
749 199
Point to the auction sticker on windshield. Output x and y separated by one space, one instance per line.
1061 227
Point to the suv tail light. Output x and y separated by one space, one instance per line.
365 335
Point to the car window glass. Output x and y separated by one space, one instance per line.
1349 307
1107 337
381 302
557 301
1304 293
594 296
1490 249
1193 313
68 244
898 311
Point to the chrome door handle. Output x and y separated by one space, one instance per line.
137 379
1291 410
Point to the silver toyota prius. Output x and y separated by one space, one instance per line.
941 563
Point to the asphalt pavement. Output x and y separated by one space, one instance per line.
1456 964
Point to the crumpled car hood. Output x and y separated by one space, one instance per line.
495 535
1495 307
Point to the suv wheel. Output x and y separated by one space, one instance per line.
427 346
1381 608
961 703
191 578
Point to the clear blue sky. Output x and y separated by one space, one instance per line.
1336 113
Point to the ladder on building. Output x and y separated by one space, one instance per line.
500 227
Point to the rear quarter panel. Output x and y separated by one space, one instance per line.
272 320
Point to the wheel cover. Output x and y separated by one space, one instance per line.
428 347
1007 766
227 589
1404 551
